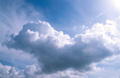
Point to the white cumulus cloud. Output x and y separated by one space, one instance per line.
57 51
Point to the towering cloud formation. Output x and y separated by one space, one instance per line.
57 51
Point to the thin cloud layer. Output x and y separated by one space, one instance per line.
57 51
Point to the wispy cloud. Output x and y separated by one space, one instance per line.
14 14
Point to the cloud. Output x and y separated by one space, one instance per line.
15 58
8 72
57 51
30 71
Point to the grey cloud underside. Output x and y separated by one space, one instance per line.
56 51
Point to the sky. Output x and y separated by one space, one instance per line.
59 39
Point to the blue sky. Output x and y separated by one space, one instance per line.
68 13
59 38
